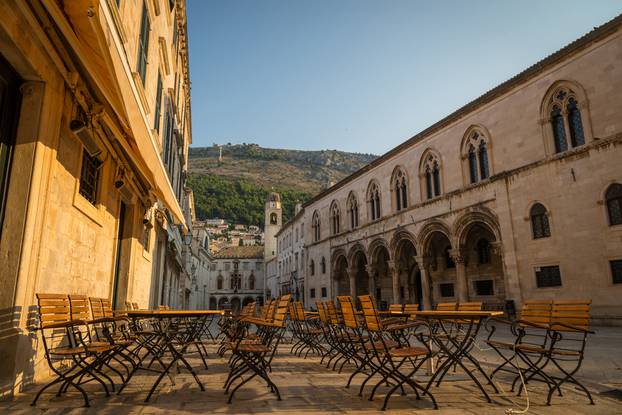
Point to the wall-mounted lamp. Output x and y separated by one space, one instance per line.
84 134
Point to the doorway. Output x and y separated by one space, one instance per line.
9 112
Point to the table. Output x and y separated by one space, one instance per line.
174 331
454 332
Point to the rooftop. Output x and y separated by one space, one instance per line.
240 252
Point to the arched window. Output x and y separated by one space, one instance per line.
430 173
399 186
566 121
475 149
472 164
484 173
315 224
273 219
219 282
483 251
613 198
323 265
335 225
312 267
353 210
539 222
251 282
373 200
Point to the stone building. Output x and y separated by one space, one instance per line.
236 277
290 256
95 110
515 196
199 262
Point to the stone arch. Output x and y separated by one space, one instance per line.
376 245
358 265
335 217
339 273
428 230
223 302
354 250
482 216
236 304
334 256
404 252
398 237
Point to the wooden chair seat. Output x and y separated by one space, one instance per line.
413 351
378 345
67 351
254 348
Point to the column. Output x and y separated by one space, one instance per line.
424 263
393 272
461 277
352 271
371 283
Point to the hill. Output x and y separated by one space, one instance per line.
235 187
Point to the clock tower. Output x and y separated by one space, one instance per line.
272 224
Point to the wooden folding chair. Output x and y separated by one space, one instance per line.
392 349
67 355
255 358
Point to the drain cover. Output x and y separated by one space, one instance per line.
613 393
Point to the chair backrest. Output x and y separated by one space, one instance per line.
395 308
575 313
53 308
370 313
300 311
321 309
281 310
97 310
537 312
409 308
107 307
349 312
472 306
271 309
332 312
293 314
446 306
78 307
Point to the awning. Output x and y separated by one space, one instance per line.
92 35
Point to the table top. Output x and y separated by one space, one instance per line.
174 313
448 315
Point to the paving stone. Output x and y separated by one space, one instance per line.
308 387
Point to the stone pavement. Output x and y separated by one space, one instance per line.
308 387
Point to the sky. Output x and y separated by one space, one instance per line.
361 75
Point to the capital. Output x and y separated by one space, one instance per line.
496 248
457 256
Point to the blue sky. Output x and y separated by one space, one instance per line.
361 75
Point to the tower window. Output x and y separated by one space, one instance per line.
273 219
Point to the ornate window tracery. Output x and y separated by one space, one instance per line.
565 117
399 186
373 200
315 224
431 174
353 211
335 219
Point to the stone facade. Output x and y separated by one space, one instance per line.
509 198
95 202
290 257
236 277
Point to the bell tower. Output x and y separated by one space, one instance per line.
272 224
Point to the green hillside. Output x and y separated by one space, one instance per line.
236 187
